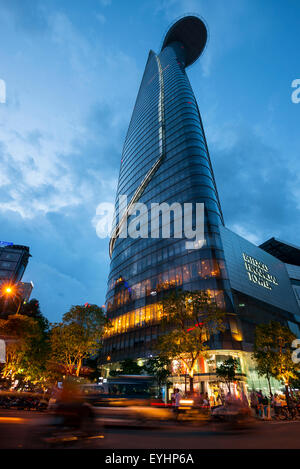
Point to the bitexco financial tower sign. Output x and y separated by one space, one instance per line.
258 272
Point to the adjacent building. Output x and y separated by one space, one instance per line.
25 289
290 255
13 262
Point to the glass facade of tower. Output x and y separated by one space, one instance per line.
165 159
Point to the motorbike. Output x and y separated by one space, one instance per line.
70 424
233 417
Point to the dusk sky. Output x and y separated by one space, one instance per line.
72 71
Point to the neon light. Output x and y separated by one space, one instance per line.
196 325
160 404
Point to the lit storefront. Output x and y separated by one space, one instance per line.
206 381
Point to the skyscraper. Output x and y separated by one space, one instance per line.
165 159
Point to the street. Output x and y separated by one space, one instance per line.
24 430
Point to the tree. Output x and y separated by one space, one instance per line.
263 354
32 310
295 383
40 349
25 351
128 367
159 367
273 353
77 337
227 371
190 319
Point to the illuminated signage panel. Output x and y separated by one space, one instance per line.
4 244
256 273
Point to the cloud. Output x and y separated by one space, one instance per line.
69 262
74 46
55 164
54 287
256 185
28 15
58 290
105 3
60 150
101 18
242 231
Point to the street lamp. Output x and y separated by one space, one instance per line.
13 291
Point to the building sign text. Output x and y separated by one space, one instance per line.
258 272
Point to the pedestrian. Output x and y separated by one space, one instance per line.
244 400
276 403
173 397
260 403
254 402
177 398
219 401
264 404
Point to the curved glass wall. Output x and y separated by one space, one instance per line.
165 159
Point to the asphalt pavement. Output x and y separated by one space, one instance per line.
117 430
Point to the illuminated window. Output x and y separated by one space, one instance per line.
142 315
178 276
137 317
148 314
186 273
131 320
